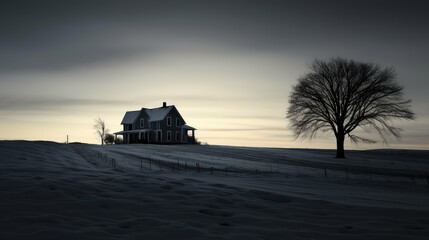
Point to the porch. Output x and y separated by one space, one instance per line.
135 136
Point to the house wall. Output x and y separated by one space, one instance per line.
143 115
164 128
173 114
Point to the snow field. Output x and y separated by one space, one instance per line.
58 191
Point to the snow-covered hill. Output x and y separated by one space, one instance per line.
77 191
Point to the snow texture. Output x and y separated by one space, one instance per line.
78 191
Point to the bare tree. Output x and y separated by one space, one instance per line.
100 128
342 95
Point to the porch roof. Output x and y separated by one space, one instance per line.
187 127
132 131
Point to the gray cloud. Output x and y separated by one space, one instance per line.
244 116
56 35
50 104
243 129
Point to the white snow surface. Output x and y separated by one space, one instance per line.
78 191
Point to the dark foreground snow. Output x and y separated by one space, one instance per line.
57 191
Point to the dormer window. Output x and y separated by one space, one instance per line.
177 122
168 121
142 123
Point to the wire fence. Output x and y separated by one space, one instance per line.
228 165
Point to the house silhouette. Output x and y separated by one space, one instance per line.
162 125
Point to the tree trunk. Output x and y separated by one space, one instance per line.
340 146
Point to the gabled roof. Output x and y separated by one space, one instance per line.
158 114
130 116
155 114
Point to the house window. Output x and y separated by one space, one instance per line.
142 123
169 136
177 122
168 121
177 136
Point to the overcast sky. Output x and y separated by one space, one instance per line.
228 66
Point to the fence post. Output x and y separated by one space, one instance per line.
427 178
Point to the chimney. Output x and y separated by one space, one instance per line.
164 104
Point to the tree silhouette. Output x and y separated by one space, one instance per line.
100 129
341 95
109 138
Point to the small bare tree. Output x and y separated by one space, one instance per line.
100 129
341 95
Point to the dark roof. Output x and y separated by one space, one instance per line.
130 117
155 114
158 114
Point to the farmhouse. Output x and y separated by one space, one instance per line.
163 125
